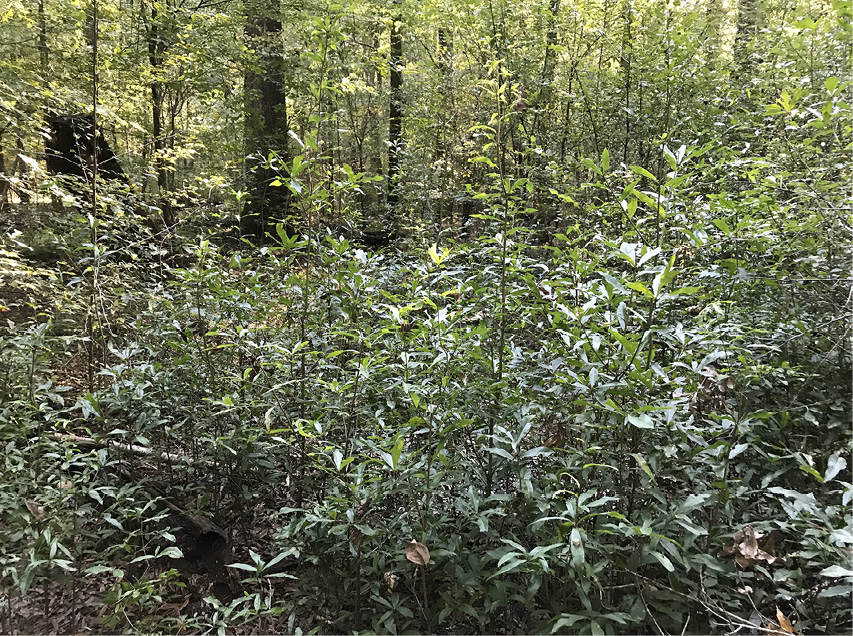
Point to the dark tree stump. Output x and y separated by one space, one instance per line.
70 152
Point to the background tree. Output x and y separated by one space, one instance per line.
266 124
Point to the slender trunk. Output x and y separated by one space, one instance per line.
156 49
442 150
42 22
549 64
627 49
23 170
395 113
4 180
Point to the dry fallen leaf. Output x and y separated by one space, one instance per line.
746 549
556 439
784 623
35 509
390 579
784 628
417 553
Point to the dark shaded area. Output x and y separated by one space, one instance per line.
70 150
375 239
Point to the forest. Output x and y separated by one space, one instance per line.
438 316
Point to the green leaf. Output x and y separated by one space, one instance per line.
643 172
536 452
641 421
279 575
831 84
500 452
396 451
721 224
834 465
100 569
694 502
589 163
645 198
629 346
577 548
670 158
437 258
737 449
605 160
836 571
513 564
811 471
640 288
566 620
676 181
643 464
664 561
286 241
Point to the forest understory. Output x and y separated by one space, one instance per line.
458 317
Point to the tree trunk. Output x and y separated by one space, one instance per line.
42 37
23 172
546 80
266 127
4 180
395 113
156 50
627 49
744 35
443 142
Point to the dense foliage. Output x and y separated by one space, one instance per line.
599 380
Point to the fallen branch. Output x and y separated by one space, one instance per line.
134 449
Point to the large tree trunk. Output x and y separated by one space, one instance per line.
395 113
266 127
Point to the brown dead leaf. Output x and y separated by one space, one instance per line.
784 628
417 553
35 509
556 439
711 390
747 550
174 609
784 623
